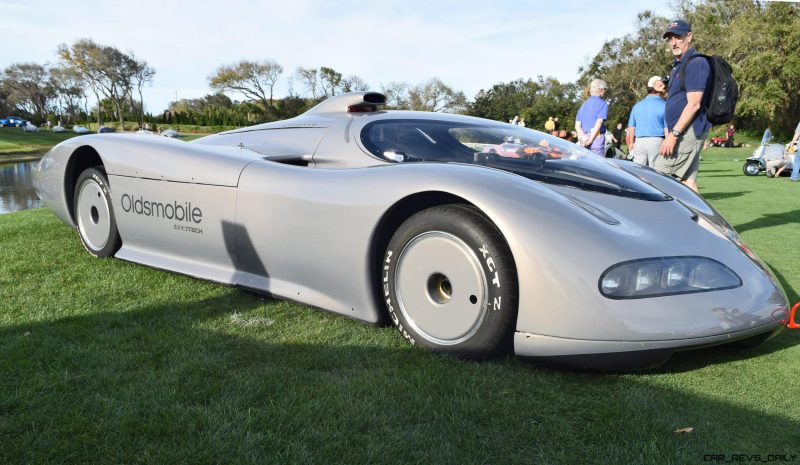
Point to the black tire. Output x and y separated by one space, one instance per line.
751 168
450 283
94 214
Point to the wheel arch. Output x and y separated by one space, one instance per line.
82 158
393 218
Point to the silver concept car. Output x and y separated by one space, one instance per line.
416 218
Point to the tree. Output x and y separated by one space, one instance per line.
396 95
142 75
435 95
5 105
28 87
329 81
70 92
310 79
255 80
354 84
627 62
534 101
107 70
218 100
760 40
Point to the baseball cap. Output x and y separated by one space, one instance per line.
678 27
652 81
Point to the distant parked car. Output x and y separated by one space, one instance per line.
30 127
145 131
13 121
58 129
105 129
79 130
170 133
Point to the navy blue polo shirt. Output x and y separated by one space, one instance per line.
697 75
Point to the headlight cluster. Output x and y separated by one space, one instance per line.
653 277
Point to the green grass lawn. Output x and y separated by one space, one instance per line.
104 361
15 141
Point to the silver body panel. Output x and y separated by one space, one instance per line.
293 208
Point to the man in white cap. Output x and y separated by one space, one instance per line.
646 125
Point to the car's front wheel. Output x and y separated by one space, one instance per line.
94 214
751 168
450 282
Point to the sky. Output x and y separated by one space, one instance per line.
470 45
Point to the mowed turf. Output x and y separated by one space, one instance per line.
17 141
104 361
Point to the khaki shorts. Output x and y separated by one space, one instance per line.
645 150
685 159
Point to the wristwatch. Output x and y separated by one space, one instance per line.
676 133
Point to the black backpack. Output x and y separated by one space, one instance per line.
720 101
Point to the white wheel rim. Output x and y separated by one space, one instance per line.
441 288
94 215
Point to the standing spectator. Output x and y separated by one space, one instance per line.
557 125
729 135
796 163
616 136
646 124
684 113
550 125
521 122
590 120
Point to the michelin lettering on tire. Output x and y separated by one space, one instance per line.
387 296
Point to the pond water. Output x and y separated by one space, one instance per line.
16 187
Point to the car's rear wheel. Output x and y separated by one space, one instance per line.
751 168
94 214
450 283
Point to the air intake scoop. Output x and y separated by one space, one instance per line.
354 102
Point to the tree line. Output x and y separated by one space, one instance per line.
61 91
758 38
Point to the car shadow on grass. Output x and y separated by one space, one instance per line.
769 220
682 362
723 195
234 379
721 175
715 171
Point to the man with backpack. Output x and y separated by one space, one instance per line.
685 112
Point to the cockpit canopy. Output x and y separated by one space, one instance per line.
523 151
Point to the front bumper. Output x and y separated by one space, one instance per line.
624 355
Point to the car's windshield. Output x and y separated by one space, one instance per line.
526 152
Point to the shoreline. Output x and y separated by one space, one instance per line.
19 157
